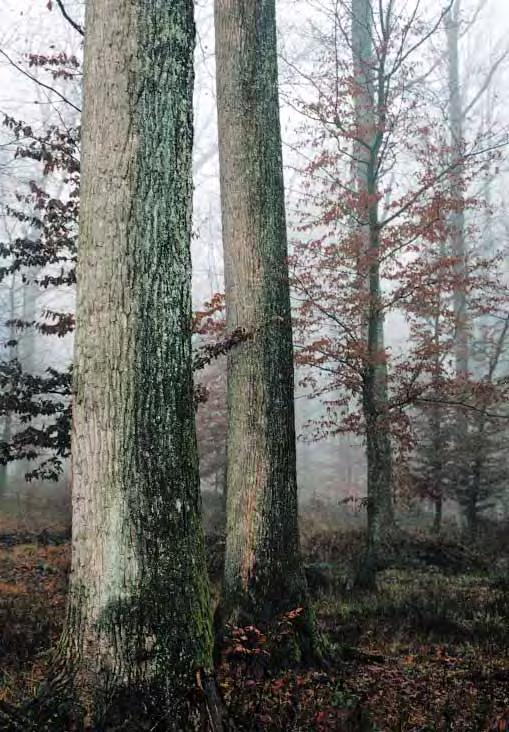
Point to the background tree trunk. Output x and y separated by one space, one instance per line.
139 610
11 353
458 246
369 122
263 572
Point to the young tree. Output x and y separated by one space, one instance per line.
263 573
139 624
370 123
378 182
364 220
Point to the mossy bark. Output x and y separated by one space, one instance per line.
263 572
139 621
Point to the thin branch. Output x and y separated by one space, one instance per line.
463 405
68 18
38 81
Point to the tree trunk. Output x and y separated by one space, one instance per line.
437 436
457 219
437 518
370 122
263 572
11 353
4 468
139 621
457 238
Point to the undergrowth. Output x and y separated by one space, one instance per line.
426 652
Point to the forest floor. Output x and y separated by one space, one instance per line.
428 651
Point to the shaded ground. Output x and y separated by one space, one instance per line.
427 652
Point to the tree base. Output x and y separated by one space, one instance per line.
62 703
289 641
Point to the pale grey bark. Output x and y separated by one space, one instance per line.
139 619
263 573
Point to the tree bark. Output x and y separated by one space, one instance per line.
263 572
139 621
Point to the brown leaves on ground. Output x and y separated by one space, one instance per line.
32 602
426 653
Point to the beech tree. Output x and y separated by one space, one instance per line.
369 242
139 621
360 222
263 574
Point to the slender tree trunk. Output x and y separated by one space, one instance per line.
263 572
4 468
457 219
457 238
370 119
437 466
139 626
11 353
437 518
472 508
437 437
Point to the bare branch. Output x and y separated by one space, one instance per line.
38 81
68 18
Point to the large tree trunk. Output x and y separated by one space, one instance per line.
139 624
369 107
263 572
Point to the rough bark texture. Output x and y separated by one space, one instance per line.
139 612
370 125
263 573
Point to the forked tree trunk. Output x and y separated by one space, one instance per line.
263 572
139 621
369 109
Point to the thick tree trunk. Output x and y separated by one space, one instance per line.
139 624
263 571
369 122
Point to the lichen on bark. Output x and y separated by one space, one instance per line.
139 605
263 572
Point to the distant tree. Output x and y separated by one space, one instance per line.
43 254
8 344
370 240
